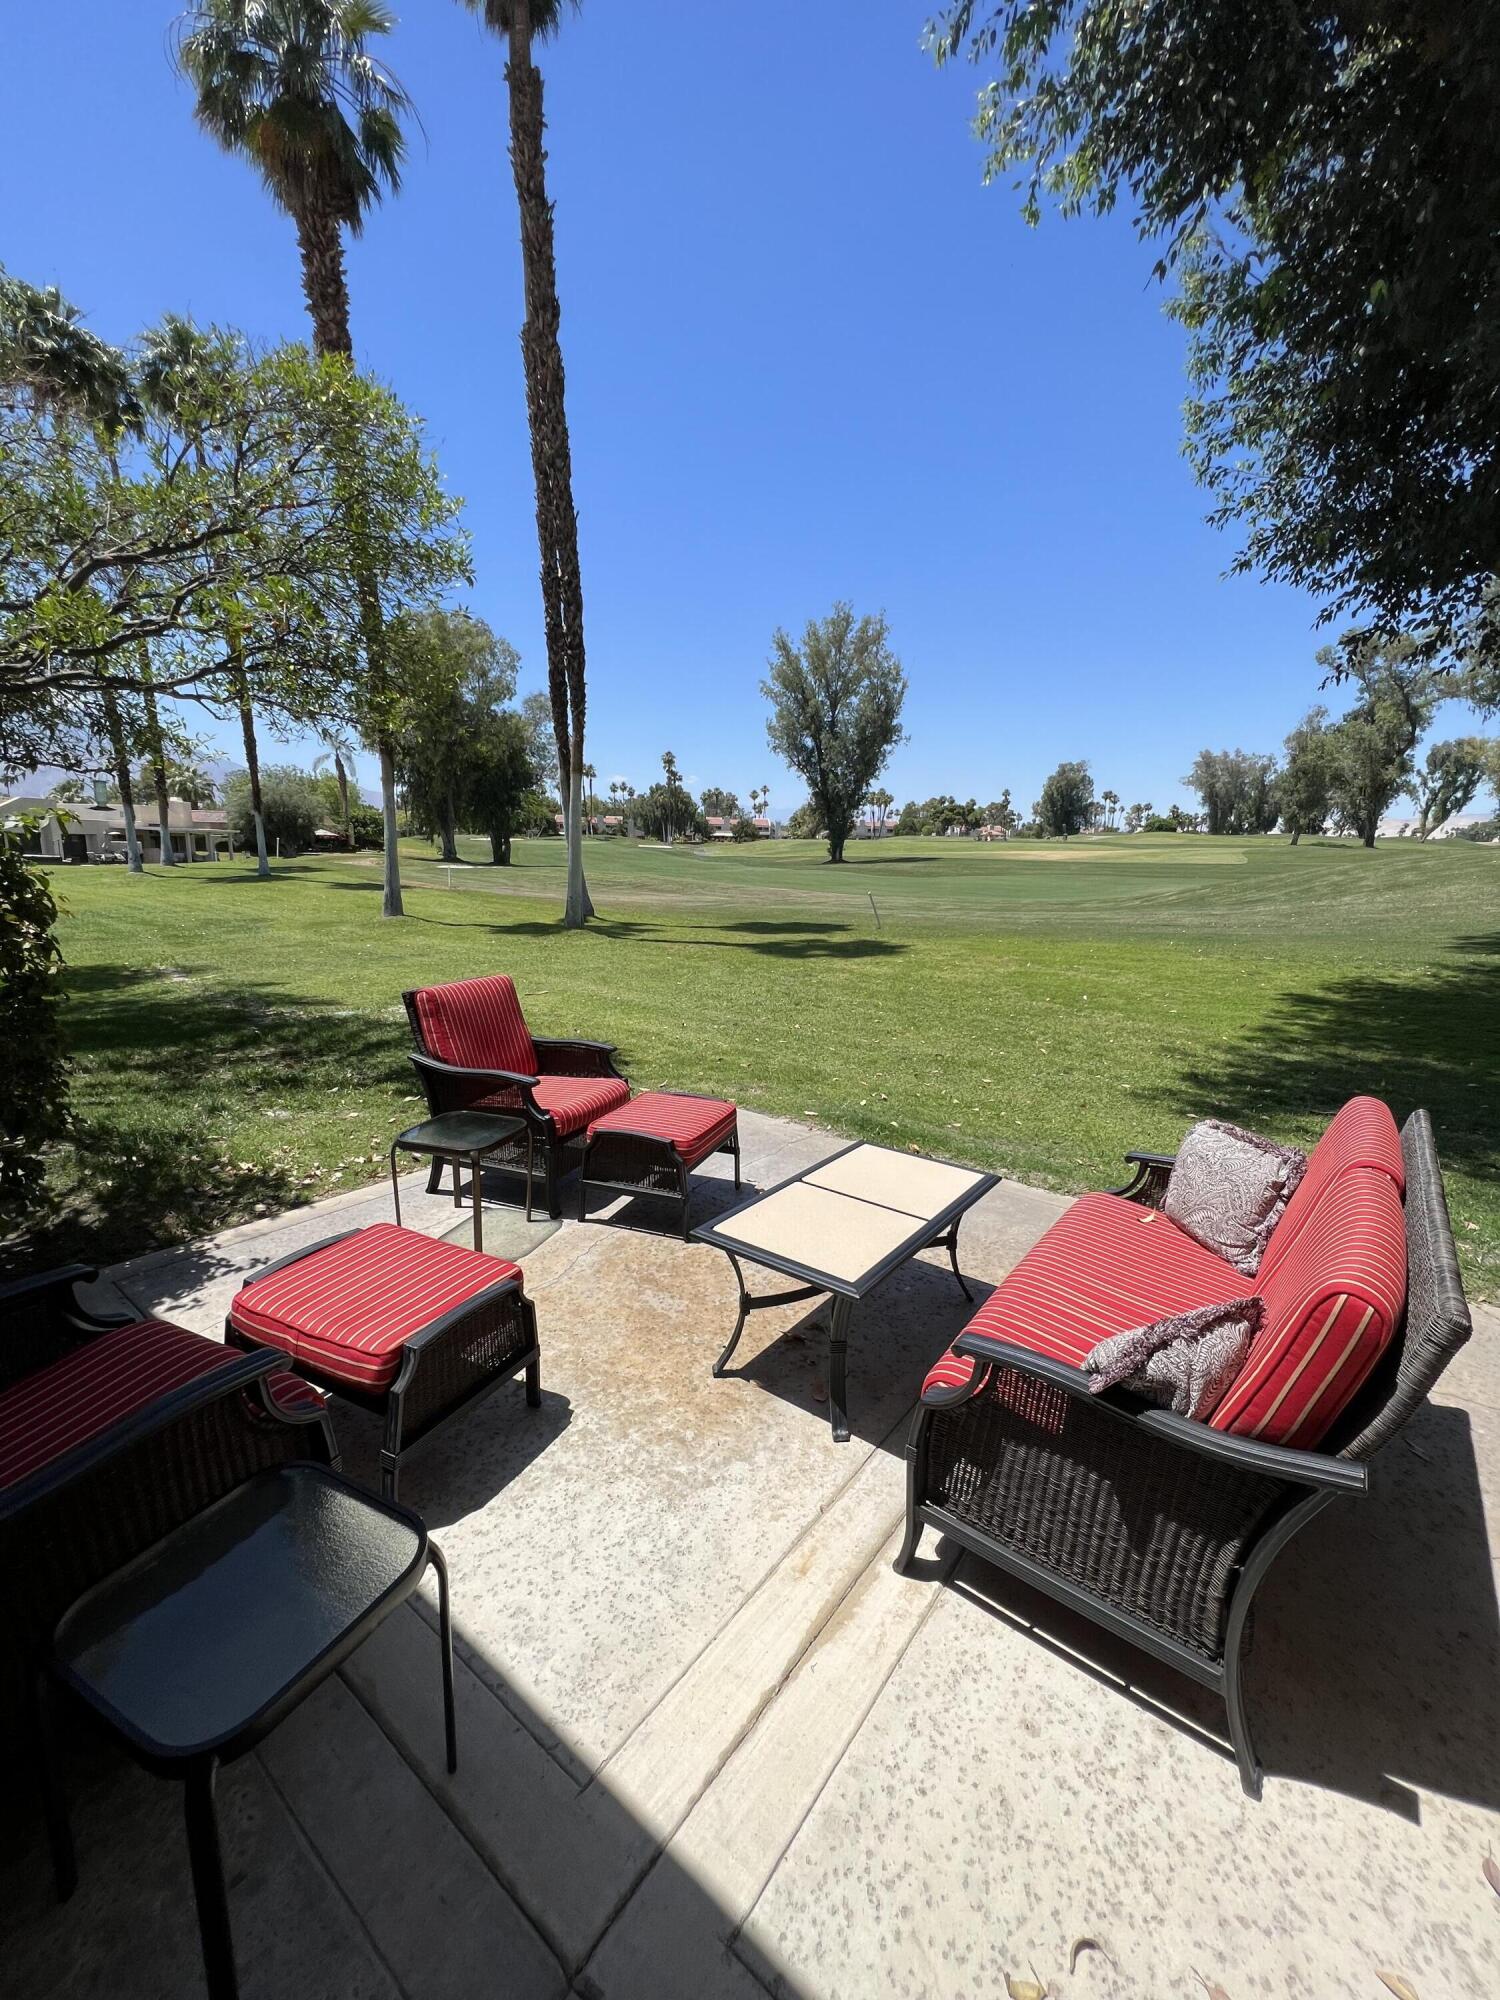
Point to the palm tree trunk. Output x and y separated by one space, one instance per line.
252 762
120 753
326 289
551 453
341 774
156 751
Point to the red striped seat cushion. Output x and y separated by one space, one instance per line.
696 1126
478 1024
1332 1304
88 1390
347 1311
1362 1134
574 1101
1104 1267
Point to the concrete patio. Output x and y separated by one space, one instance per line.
711 1746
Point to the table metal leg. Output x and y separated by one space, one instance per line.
395 1187
208 1881
445 1640
477 1176
838 1344
529 1143
951 1244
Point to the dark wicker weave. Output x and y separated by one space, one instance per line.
451 1087
644 1163
444 1368
89 1512
1156 1527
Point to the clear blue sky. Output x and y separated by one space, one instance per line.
809 356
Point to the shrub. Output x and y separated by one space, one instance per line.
367 824
1485 829
290 801
746 829
1159 823
33 1092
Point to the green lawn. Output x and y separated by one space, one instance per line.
1036 1008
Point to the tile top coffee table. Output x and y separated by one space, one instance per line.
843 1227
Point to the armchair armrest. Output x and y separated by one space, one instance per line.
1148 1184
452 1087
570 1055
575 1042
1271 1461
432 1064
1151 1159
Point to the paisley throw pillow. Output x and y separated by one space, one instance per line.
1229 1189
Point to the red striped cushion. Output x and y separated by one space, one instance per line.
1104 1267
1362 1134
478 1024
95 1386
1332 1304
348 1310
696 1126
573 1101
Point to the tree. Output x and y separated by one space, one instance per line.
1451 774
1304 787
1323 181
1375 740
1111 802
184 781
500 780
290 803
1237 790
1002 814
719 804
880 803
1067 797
448 670
520 23
340 753
670 812
836 712
294 89
1137 815
806 822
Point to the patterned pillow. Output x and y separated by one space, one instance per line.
1186 1362
1229 1188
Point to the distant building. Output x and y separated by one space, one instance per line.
97 833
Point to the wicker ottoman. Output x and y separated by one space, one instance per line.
402 1324
652 1144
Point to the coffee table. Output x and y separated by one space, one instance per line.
843 1226
462 1135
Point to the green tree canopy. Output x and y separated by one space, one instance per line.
1323 180
292 801
836 712
1450 776
1067 800
1237 788
719 804
1304 786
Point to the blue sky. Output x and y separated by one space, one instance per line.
809 357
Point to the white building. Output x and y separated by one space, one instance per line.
97 833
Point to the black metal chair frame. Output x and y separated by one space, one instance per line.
440 1357
1174 1525
640 1161
455 1087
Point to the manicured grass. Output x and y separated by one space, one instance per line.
1036 1008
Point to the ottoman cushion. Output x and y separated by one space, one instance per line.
348 1310
696 1126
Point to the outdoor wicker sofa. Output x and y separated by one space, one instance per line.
475 1049
1159 1527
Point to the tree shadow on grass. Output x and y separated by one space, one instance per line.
1427 1041
165 1061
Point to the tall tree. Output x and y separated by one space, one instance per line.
520 24
178 367
1237 790
449 669
1451 774
1323 178
1304 786
291 86
1067 800
835 712
499 780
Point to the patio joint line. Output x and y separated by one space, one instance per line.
333 1881
456 1819
940 1583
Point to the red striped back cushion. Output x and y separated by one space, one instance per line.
1362 1134
478 1024
1332 1304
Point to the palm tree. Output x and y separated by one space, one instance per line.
340 753
590 803
178 364
520 23
291 86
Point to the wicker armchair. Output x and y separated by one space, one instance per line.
1154 1526
473 1048
116 1484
